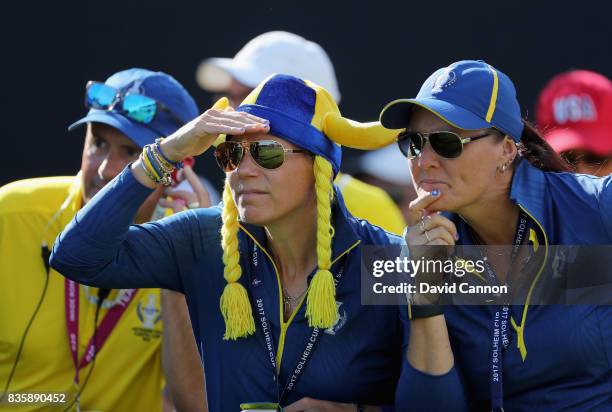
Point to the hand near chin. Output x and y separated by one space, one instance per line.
430 237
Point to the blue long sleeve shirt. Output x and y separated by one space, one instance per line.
560 356
358 360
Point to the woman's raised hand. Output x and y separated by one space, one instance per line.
199 134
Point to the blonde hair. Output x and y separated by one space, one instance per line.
321 309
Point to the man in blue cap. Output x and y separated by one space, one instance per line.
93 348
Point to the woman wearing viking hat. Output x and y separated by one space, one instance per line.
272 275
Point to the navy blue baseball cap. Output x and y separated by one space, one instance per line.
469 95
160 87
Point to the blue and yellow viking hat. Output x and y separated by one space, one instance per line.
306 115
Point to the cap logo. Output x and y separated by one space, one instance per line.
446 78
574 108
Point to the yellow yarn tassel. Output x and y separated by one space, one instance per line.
321 309
235 304
237 312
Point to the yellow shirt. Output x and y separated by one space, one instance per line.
370 203
127 375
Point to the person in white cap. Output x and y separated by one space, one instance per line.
266 54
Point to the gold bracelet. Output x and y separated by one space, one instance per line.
153 174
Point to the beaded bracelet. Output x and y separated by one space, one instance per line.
153 169
175 165
147 169
160 166
152 163
156 165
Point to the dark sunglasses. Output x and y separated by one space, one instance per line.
137 107
268 154
447 144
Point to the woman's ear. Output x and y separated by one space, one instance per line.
510 149
509 153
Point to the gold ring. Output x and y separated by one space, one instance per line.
423 230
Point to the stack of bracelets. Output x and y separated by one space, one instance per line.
156 165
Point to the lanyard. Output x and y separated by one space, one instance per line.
519 236
257 290
102 332
500 339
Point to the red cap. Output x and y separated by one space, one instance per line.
575 112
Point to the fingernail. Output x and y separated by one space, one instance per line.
457 236
435 192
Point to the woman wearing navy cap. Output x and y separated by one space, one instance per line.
272 275
497 182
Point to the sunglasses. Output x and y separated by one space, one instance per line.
137 107
268 154
446 144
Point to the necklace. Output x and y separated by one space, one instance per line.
289 302
107 303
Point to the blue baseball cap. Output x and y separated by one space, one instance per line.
469 95
157 85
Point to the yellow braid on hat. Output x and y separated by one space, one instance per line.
321 309
235 304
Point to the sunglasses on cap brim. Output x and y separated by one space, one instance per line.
138 107
446 144
268 154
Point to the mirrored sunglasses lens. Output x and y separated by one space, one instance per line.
403 142
410 144
403 146
446 144
415 145
100 96
140 108
268 154
229 155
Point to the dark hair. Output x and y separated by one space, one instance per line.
538 152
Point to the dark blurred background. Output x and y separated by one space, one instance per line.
381 51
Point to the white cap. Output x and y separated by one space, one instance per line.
387 164
273 52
